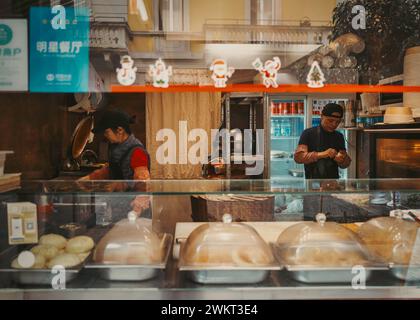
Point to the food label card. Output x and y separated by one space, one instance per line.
22 223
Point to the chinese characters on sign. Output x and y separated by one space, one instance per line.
13 55
59 57
62 47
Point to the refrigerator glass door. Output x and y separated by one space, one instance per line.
287 122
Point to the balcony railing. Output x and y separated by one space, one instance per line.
274 33
108 10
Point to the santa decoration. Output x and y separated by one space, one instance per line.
315 76
268 71
221 73
160 74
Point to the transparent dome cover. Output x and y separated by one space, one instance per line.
130 242
320 244
225 244
389 238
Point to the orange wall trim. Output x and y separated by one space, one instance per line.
289 88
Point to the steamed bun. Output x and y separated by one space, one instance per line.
83 256
16 265
54 240
80 244
46 250
66 260
39 262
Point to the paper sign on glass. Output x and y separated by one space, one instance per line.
13 55
59 57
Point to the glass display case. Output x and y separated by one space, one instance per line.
236 248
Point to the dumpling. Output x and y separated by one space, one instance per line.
83 256
15 264
54 240
80 244
39 262
66 260
46 250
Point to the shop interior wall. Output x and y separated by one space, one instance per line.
38 129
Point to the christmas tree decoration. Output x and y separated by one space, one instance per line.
268 71
315 76
126 75
160 74
221 73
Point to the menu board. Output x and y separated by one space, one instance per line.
59 55
13 55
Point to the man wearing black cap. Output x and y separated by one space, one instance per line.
322 149
127 156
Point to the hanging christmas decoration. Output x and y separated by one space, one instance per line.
160 74
268 71
221 73
315 76
126 75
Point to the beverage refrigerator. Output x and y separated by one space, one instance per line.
286 118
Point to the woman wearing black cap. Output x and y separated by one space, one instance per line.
128 158
322 149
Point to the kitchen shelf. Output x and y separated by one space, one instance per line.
370 115
288 116
351 129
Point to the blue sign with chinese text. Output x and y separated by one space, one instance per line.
59 50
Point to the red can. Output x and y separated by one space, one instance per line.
286 108
293 108
273 108
280 108
301 107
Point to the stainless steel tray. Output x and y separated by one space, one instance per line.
406 273
38 277
134 272
41 277
232 275
328 274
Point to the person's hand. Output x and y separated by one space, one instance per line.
112 186
140 203
329 153
84 178
339 158
83 183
